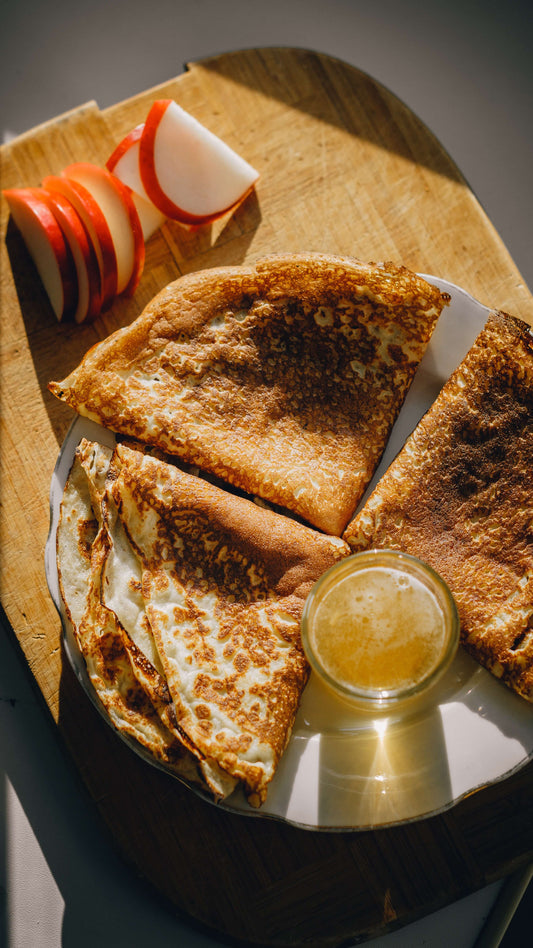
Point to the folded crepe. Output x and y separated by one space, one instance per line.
190 625
283 379
124 674
459 496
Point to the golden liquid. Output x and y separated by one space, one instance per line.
379 629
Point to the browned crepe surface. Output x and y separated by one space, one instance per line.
459 496
283 379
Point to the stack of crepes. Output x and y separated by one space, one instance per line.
185 602
281 381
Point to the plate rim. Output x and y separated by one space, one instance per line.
75 658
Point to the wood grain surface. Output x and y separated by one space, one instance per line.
345 168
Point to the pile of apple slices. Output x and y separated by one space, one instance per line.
86 228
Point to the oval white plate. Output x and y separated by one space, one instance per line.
342 770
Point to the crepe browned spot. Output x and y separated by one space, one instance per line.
224 583
459 496
283 379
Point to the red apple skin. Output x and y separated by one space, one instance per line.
90 172
130 139
149 177
74 231
96 224
28 201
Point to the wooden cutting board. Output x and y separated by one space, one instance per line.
345 168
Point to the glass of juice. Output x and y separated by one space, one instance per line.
380 628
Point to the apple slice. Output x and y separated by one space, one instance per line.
151 219
47 246
124 161
188 173
122 219
97 227
124 164
84 255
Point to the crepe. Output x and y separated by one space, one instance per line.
132 691
78 527
459 496
191 619
283 379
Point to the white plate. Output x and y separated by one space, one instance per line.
342 770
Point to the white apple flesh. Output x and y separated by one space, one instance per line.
189 173
47 247
124 161
151 219
115 202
